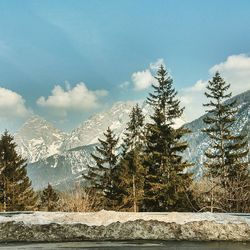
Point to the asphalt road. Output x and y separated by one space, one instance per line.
132 245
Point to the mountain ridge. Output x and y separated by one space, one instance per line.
72 157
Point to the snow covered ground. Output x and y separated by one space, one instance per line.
107 217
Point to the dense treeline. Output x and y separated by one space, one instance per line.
148 172
145 170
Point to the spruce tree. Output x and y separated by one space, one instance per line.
100 175
49 199
227 156
129 174
17 192
134 132
166 185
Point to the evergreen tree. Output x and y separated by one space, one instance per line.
49 199
17 193
134 134
100 175
129 174
227 157
166 184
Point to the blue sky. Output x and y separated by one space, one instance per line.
104 44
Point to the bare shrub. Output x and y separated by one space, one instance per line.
208 195
80 200
211 196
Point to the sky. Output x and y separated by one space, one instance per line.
68 59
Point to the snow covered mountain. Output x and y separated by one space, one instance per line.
199 142
61 158
89 131
116 118
61 170
38 139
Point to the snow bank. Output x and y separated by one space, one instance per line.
108 217
107 225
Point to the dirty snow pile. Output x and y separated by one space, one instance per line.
107 217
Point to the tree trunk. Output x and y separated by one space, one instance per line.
4 196
134 194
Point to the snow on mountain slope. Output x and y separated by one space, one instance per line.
60 159
89 131
116 118
199 141
61 170
38 139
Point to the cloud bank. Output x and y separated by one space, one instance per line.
78 98
12 105
236 71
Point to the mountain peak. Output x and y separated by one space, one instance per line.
36 122
89 131
38 138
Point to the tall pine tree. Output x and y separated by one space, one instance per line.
129 174
17 193
227 157
166 185
100 175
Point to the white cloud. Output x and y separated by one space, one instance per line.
192 98
198 86
142 79
101 92
154 66
78 98
235 70
67 85
12 104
